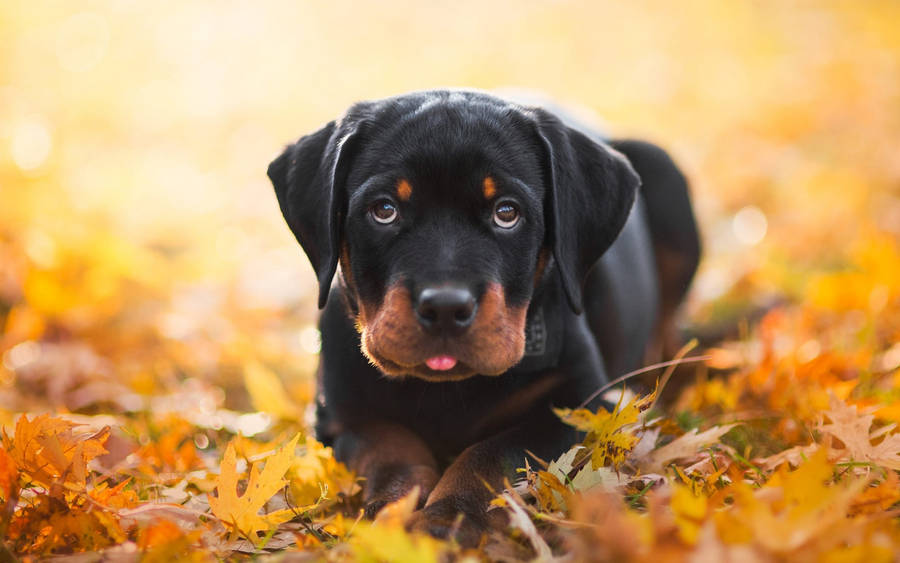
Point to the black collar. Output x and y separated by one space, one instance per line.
543 330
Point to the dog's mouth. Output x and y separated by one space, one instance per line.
441 363
394 341
436 368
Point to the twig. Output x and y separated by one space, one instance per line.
631 374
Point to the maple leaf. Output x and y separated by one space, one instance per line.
610 435
9 489
792 510
9 476
172 450
115 497
50 524
241 512
317 478
49 450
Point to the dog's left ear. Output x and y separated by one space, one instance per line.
591 189
309 181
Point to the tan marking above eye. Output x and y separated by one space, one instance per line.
489 188
404 190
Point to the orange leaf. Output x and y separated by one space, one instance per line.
49 450
158 533
9 476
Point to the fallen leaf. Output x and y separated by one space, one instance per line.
268 394
610 435
860 442
241 512
50 452
685 446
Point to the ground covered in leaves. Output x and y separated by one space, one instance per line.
784 446
157 321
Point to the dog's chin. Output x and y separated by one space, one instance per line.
460 371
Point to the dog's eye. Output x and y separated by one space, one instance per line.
384 212
506 215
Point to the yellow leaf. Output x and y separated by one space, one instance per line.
268 394
610 435
398 512
393 543
317 478
241 512
793 510
690 512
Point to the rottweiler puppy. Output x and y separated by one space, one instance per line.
493 260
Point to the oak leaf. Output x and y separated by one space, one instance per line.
861 444
685 446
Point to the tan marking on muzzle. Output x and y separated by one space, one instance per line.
394 341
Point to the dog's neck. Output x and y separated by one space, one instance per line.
543 329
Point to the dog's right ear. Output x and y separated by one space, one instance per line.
309 179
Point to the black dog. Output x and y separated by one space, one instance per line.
471 232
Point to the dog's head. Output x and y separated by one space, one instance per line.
444 210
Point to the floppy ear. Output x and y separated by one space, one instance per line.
591 189
309 181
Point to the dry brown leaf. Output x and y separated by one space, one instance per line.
854 430
686 446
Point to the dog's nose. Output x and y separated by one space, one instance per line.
446 309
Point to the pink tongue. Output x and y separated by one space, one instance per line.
441 363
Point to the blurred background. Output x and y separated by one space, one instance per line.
142 252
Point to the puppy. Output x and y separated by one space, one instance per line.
493 260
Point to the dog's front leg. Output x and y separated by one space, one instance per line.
458 504
391 458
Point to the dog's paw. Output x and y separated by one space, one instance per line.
445 520
410 483
373 507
